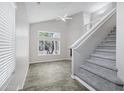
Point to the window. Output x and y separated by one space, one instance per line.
48 43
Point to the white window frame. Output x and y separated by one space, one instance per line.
47 39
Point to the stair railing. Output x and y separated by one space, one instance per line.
92 28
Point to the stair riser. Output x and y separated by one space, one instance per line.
106 53
112 32
111 48
103 60
113 59
108 43
112 36
106 47
110 39
105 65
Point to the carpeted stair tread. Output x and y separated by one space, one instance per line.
106 50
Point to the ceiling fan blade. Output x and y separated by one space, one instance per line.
60 18
65 15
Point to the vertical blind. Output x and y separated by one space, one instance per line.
7 42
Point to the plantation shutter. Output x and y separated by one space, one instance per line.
7 42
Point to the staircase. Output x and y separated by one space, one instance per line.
99 70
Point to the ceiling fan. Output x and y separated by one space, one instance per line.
63 18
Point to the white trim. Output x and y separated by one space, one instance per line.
72 64
48 39
21 87
72 76
83 83
49 60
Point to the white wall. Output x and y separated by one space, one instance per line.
70 32
102 12
120 40
87 20
75 28
53 26
22 48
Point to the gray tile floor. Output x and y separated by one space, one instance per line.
51 76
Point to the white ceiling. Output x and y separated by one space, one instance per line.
50 10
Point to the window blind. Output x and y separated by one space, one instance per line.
7 42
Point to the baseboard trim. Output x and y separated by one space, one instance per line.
67 59
83 82
21 87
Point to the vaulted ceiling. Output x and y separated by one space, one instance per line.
44 11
